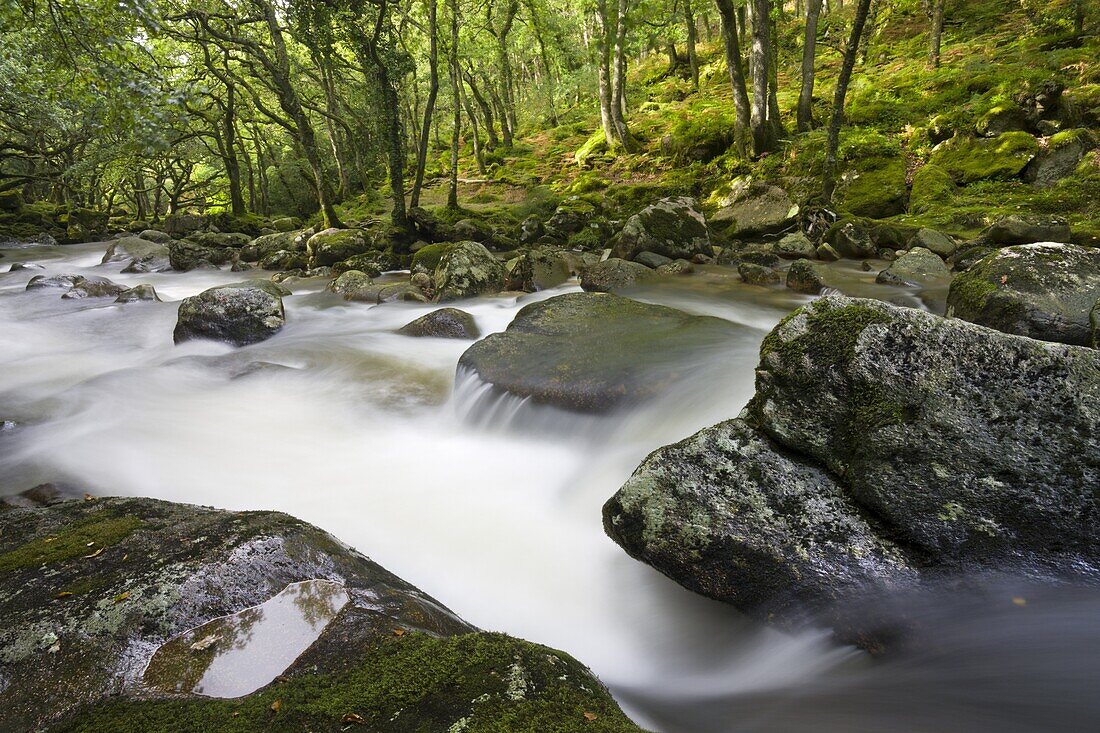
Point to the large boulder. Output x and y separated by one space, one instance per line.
968 160
185 255
1042 290
540 268
672 227
941 429
1025 229
330 246
467 270
853 240
919 268
181 224
1060 158
752 208
593 352
93 287
448 323
241 313
614 275
731 515
155 235
139 254
935 241
794 247
231 240
118 612
810 277
268 244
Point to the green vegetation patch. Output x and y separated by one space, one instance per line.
84 537
968 160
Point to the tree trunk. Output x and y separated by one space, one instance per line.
842 83
774 116
429 105
693 57
618 105
809 55
506 66
452 191
763 132
232 165
603 73
937 33
728 17
491 140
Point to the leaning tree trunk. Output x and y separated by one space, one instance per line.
732 44
845 78
232 165
809 55
429 104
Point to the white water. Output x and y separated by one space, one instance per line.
494 510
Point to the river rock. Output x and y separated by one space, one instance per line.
56 281
89 590
934 241
155 235
138 293
753 208
795 246
467 270
241 313
93 287
672 227
917 268
1041 290
540 268
730 515
372 263
330 246
757 274
349 283
285 260
448 323
185 255
854 241
615 275
941 429
1025 229
139 254
809 277
268 244
593 352
651 260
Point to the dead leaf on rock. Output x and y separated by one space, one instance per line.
398 632
122 596
353 718
97 553
590 716
205 643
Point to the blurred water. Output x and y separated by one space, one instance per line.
492 507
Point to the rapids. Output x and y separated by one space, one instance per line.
491 504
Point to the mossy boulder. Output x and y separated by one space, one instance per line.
1043 290
139 254
260 247
448 323
93 287
230 240
90 589
933 187
934 241
748 208
809 277
540 268
467 270
757 274
185 255
594 352
372 263
155 235
941 429
84 225
137 294
594 147
11 201
1027 228
853 240
876 188
286 224
918 268
672 227
285 260
1063 152
794 246
350 283
330 246
427 257
240 314
572 215
968 160
615 275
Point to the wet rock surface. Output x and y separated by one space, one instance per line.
614 274
467 269
593 352
672 227
241 313
449 323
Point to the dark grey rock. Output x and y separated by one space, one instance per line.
240 314
450 323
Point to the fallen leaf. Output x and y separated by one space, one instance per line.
122 596
276 706
205 643
1004 279
55 648
64 594
50 539
282 678
126 556
1019 601
398 632
590 716
90 543
97 553
353 718
88 497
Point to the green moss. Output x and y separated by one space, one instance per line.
428 257
476 683
932 186
968 160
588 182
832 332
876 188
594 146
81 538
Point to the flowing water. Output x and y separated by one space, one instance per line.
492 505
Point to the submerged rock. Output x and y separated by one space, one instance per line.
90 589
466 270
591 352
1041 290
450 323
614 275
918 267
92 287
137 293
672 227
241 314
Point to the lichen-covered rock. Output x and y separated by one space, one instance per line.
934 241
39 282
807 276
82 621
260 247
155 235
330 246
467 270
372 263
615 275
672 227
918 267
757 274
350 283
939 428
1027 228
231 240
854 241
92 287
286 224
753 208
968 160
138 293
185 255
728 514
540 268
1063 153
241 313
794 246
447 323
285 260
140 254
1041 290
593 352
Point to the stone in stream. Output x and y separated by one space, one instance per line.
540 268
924 445
17 266
138 293
757 274
268 244
937 242
613 275
1043 290
185 255
918 267
326 248
467 270
92 287
56 281
155 235
594 352
794 247
1025 229
140 254
807 276
241 313
91 590
672 227
448 323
